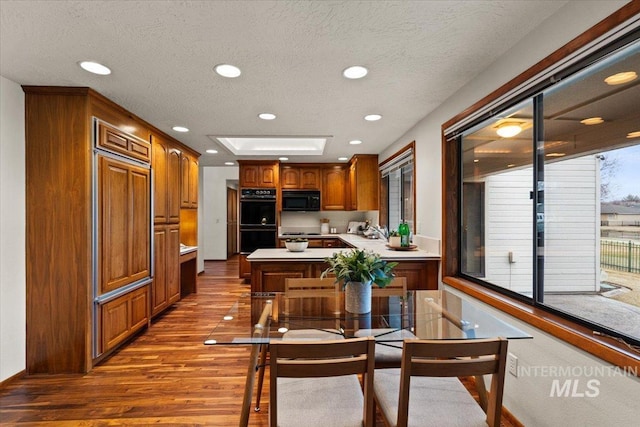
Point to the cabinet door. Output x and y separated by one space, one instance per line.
124 223
290 177
116 140
364 183
160 180
310 178
122 317
249 175
193 183
159 294
173 263
173 185
333 189
353 187
268 176
185 172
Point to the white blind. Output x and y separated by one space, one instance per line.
404 159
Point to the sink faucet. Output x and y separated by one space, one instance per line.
383 233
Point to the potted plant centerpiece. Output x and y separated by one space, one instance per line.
358 270
394 239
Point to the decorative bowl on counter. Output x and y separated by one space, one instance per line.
296 245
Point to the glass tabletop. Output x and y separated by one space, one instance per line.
393 317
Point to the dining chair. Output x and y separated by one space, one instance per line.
425 391
316 384
389 353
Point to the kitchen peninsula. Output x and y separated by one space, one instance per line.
270 267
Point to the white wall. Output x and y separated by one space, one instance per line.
12 230
213 215
527 397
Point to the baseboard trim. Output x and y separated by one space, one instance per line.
12 378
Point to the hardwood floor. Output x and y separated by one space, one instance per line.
164 376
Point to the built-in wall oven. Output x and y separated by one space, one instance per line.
257 219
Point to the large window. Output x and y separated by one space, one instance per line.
550 194
397 178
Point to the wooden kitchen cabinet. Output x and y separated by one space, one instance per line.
296 177
256 174
121 317
119 141
165 288
189 181
166 164
363 182
334 195
124 223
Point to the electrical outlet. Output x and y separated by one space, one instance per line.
512 364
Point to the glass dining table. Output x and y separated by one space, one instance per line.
257 319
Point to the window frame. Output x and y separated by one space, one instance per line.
384 198
610 349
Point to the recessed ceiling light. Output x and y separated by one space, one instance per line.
212 151
228 70
355 142
556 155
635 134
95 68
621 78
355 72
343 159
509 129
229 163
180 129
283 158
267 116
592 121
372 117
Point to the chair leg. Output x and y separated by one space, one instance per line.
261 367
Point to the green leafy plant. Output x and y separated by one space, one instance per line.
394 233
357 265
297 239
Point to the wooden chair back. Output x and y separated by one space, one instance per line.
455 358
397 287
313 359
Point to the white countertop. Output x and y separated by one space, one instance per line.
319 254
186 249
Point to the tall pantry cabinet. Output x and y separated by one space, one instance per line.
89 233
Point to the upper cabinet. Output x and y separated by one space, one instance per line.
167 173
363 182
189 197
334 195
115 140
256 174
298 177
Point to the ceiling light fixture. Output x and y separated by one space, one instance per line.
372 117
355 142
635 134
556 155
343 159
212 151
355 72
592 121
508 129
283 159
180 129
621 78
95 68
229 163
228 70
267 116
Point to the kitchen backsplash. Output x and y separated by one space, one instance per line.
309 222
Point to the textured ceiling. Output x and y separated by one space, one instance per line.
291 54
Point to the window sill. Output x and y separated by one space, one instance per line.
605 348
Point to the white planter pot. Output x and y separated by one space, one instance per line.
394 241
357 297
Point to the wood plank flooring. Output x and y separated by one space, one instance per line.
165 376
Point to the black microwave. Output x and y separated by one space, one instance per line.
296 200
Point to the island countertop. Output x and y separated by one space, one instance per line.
360 242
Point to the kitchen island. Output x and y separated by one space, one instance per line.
270 267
